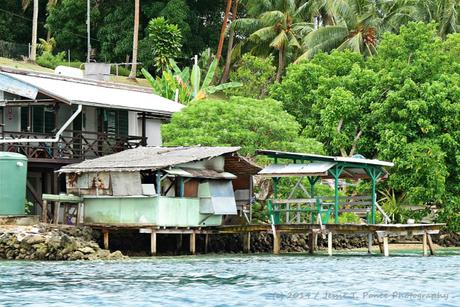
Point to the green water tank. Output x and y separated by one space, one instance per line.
13 176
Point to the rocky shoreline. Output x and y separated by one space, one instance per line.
51 242
47 242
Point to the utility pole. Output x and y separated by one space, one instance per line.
33 53
88 29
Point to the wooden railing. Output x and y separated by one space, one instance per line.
318 209
72 145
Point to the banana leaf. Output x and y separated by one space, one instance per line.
221 87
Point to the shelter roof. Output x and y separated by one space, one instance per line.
313 157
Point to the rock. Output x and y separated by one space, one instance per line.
77 255
116 256
34 239
86 250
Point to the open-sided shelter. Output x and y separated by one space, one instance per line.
317 167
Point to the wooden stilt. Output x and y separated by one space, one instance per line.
424 244
57 206
379 241
386 249
276 243
312 238
329 243
369 243
193 243
153 243
45 211
430 244
179 243
79 214
206 243
105 232
246 242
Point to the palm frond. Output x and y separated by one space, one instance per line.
279 41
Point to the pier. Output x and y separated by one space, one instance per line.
381 231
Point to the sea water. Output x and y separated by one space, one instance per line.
351 278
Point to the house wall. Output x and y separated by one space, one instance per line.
147 210
152 131
11 115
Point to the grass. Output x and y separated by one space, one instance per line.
18 64
23 65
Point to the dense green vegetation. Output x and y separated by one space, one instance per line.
378 78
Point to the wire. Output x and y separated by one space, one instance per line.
42 23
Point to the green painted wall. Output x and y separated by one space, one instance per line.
13 173
154 210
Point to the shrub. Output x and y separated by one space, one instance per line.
249 123
48 60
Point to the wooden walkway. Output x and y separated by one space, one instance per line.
381 231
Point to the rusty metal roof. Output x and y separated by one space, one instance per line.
148 158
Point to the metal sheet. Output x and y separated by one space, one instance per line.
126 183
314 168
14 86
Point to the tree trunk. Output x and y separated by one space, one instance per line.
281 63
228 60
133 73
33 52
222 30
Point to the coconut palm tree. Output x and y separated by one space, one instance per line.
355 25
231 38
223 30
132 74
276 25
443 12
25 5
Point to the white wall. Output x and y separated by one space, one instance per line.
152 127
153 132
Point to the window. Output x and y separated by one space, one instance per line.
42 119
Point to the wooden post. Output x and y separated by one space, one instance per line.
79 213
246 242
312 238
193 243
424 244
153 243
430 244
57 206
386 250
369 243
329 243
179 243
276 242
45 211
206 242
105 232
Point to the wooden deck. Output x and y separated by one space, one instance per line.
381 231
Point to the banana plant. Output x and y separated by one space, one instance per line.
187 82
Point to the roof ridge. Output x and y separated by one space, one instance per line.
52 76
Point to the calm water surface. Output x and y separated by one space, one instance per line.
257 280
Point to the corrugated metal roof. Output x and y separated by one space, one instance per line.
148 158
96 93
313 157
285 170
